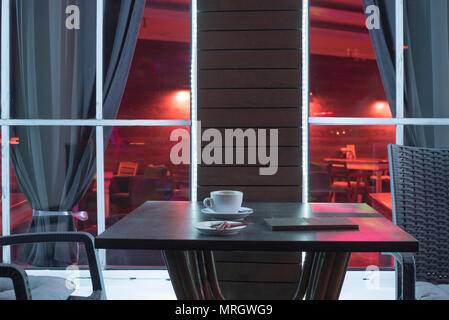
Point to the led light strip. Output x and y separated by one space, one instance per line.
194 115
305 101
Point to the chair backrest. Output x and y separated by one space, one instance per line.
351 148
338 171
120 184
420 195
180 175
127 169
319 186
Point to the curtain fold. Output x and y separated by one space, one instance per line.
383 41
426 62
427 69
54 70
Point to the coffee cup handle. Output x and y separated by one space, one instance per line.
209 203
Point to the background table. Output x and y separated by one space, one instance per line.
169 226
377 166
382 203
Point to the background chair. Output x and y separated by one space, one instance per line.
126 169
350 183
340 182
155 172
384 179
180 175
380 151
120 194
420 196
351 149
319 187
15 284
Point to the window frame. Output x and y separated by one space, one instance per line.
399 121
99 122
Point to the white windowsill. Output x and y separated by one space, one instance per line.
155 284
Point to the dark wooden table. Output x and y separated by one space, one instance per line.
169 226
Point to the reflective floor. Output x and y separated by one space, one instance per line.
155 284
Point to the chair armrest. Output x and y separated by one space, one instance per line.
19 279
406 275
80 237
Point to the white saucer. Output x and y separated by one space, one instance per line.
240 215
205 228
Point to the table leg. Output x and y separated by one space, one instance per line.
209 264
379 181
323 275
107 200
193 275
181 276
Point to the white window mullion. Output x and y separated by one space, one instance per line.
399 18
94 122
6 200
101 219
379 121
305 101
5 110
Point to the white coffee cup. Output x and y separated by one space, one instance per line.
224 201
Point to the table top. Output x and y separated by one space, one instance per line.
367 164
170 226
357 160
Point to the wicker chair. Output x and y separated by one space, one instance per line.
22 287
420 194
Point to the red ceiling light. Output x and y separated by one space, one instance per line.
323 114
182 96
381 109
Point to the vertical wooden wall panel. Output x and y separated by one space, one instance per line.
249 76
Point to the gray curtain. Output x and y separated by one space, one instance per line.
426 37
54 78
427 69
383 40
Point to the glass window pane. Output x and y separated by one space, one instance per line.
52 170
344 76
158 85
425 60
350 164
139 168
52 73
427 136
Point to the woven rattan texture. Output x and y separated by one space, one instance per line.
420 187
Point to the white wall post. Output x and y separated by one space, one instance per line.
399 18
5 109
101 222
